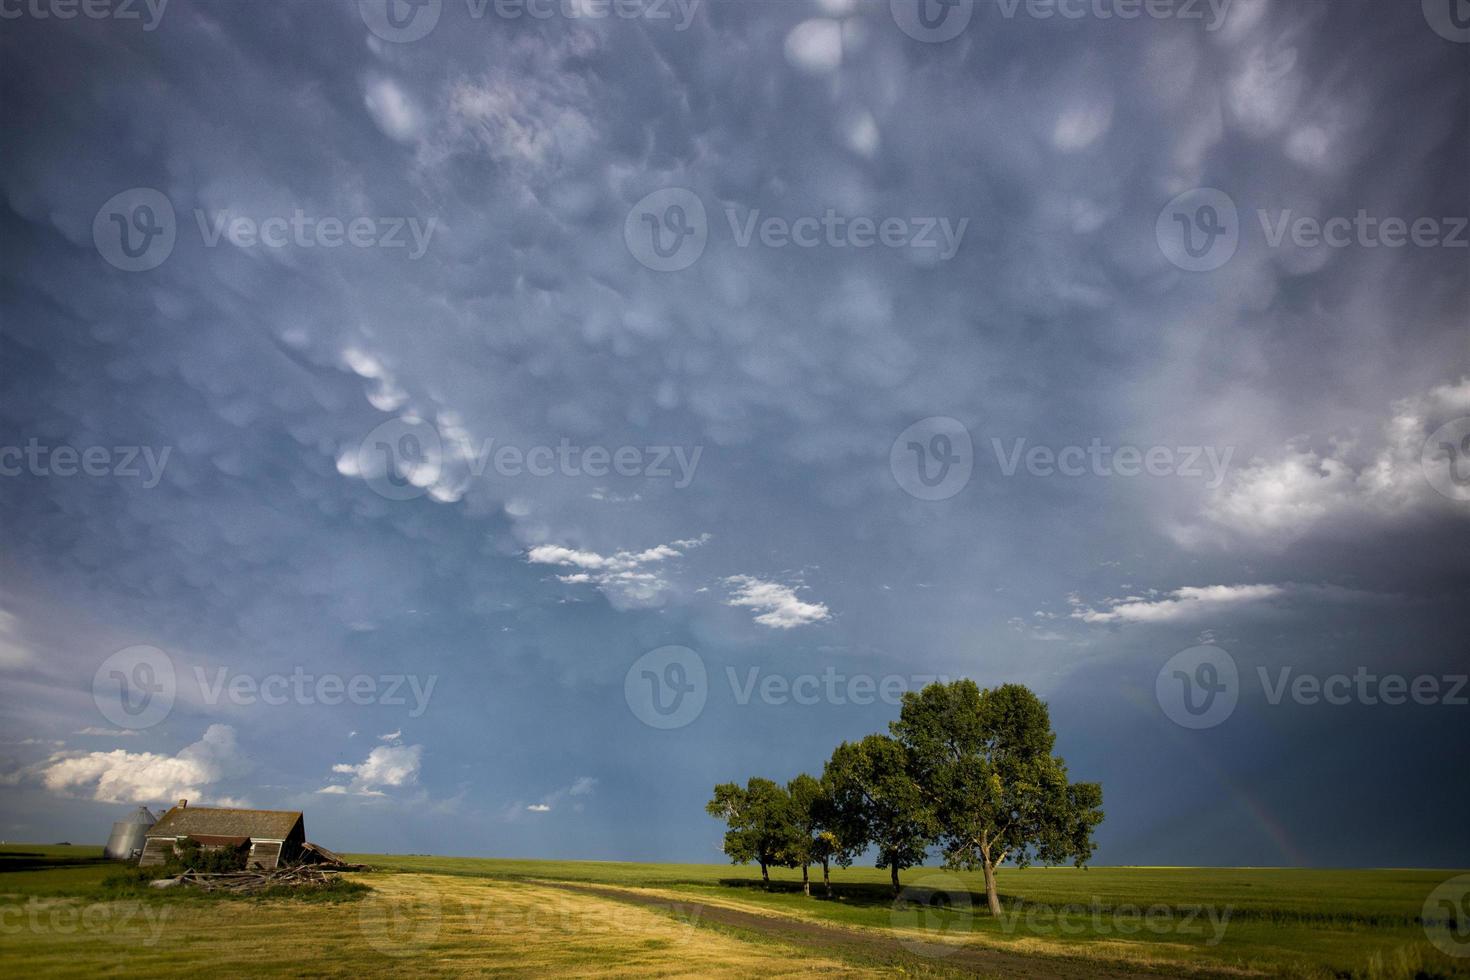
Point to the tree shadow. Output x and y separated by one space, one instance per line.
864 894
37 861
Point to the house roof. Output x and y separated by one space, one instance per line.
208 821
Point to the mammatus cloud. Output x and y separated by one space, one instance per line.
627 578
386 767
778 605
1284 499
121 776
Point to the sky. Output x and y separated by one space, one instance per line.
487 426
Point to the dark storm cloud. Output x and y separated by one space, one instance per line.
505 155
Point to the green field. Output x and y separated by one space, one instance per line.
455 916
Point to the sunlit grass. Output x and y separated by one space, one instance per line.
444 916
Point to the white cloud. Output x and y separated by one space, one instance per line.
1282 499
387 766
1195 601
626 577
120 776
392 109
778 605
815 45
581 786
393 736
1183 603
1080 126
108 732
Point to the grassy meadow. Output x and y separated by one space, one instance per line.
64 912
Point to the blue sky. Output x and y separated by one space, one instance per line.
383 396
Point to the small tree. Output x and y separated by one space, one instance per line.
813 839
877 802
188 854
984 760
759 818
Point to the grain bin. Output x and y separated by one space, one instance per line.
127 838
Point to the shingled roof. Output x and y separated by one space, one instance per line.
207 821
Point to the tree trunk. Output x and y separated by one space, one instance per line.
897 891
806 885
765 875
992 898
827 876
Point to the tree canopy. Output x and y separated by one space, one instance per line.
964 769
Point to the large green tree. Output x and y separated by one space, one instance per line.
984 761
758 816
876 801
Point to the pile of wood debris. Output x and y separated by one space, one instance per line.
295 876
319 867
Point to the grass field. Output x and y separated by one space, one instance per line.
456 916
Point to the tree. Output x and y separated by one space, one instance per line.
877 802
759 819
983 758
814 835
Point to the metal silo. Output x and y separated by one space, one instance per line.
127 838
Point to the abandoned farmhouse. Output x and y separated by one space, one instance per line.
272 837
